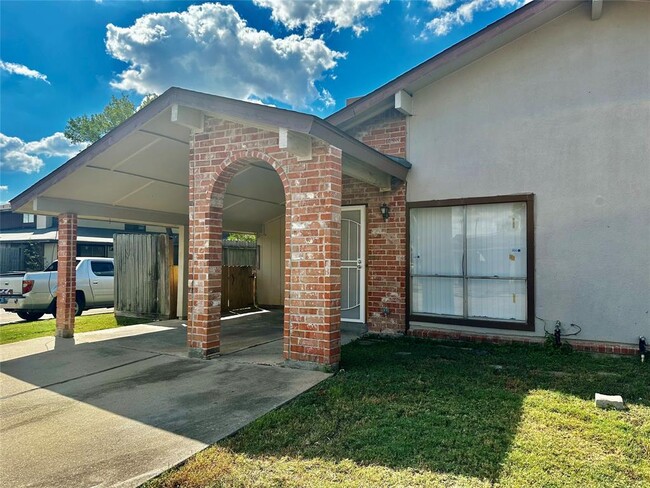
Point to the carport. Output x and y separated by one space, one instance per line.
204 165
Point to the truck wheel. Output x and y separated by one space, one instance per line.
78 306
30 316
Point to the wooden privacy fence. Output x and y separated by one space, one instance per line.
146 279
238 275
237 287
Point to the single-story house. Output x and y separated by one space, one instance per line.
497 188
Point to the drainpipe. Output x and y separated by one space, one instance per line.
596 9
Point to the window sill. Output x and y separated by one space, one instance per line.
483 323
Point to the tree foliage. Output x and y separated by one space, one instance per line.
91 128
33 256
241 237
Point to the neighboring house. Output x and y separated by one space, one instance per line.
505 179
28 242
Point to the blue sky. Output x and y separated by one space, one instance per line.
61 59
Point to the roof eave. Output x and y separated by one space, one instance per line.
212 104
127 127
295 121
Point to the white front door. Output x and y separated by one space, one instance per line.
353 264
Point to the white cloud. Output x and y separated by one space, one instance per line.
462 14
210 48
343 14
327 98
440 4
22 70
4 188
55 145
25 157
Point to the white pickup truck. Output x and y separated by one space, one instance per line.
34 294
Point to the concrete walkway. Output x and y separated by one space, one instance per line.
116 407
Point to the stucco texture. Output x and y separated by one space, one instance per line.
562 112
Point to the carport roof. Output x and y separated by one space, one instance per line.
150 122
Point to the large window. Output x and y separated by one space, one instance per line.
471 262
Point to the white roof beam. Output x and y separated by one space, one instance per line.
98 211
136 175
234 204
367 174
187 117
164 136
140 188
404 102
296 143
135 153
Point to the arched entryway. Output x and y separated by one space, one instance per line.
220 157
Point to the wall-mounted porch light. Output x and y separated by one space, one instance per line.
385 211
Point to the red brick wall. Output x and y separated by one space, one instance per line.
386 241
66 275
312 244
601 347
385 132
386 253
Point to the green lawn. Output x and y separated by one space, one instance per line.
408 412
43 328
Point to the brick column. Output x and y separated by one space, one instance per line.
204 304
313 271
66 275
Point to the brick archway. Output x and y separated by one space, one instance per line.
312 238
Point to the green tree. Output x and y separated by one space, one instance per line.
33 257
91 128
241 237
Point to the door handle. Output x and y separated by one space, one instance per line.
95 282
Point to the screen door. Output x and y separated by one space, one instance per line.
353 263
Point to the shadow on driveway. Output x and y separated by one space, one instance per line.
119 406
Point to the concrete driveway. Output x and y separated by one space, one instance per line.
116 407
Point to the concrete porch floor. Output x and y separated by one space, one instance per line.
116 407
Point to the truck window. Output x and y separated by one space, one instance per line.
55 266
102 268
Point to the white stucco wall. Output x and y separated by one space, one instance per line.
270 276
564 113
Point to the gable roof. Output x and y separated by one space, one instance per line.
228 108
494 36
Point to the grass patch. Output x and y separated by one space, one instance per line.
44 328
408 412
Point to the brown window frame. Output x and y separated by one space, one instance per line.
529 324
